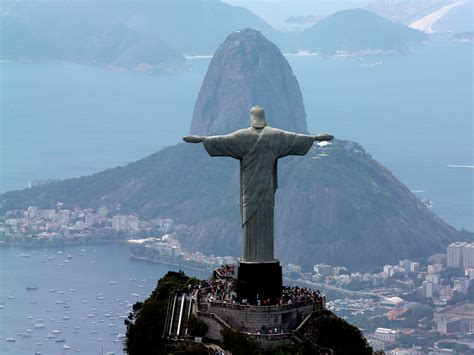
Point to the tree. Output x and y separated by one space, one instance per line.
145 323
456 298
327 331
448 274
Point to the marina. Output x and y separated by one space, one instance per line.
71 313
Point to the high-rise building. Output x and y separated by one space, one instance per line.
427 289
405 264
388 270
119 222
455 254
414 266
468 256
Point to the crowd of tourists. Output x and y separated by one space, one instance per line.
297 294
224 291
225 270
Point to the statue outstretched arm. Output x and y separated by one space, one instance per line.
323 137
193 139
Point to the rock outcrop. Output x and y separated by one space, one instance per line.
248 70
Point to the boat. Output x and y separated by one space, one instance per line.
10 340
60 340
11 297
39 326
31 288
112 282
24 255
69 256
65 346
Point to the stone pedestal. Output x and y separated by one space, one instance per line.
259 278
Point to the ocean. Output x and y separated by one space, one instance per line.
83 294
412 113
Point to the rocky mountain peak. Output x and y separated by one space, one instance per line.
246 70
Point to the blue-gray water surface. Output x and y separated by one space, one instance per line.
83 294
413 113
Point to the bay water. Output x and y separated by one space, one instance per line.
83 295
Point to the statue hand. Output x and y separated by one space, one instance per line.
323 137
192 139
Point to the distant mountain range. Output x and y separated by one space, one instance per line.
335 205
154 35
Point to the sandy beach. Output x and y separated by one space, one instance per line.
426 23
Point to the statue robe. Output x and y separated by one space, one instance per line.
258 151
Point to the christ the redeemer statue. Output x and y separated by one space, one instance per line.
258 148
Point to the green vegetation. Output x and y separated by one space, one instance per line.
448 274
327 331
239 344
145 323
196 327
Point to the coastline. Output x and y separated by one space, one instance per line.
426 23
169 263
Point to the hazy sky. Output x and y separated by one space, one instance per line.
276 11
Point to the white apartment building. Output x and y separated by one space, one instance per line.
455 254
468 256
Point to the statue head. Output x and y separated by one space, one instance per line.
257 117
